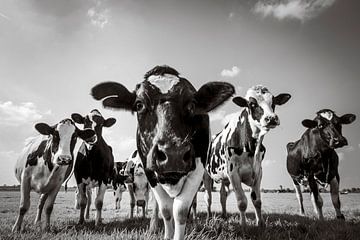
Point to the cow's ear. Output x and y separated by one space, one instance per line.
109 122
347 118
281 99
116 95
85 134
212 95
44 129
309 123
77 118
242 102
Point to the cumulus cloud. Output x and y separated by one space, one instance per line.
217 115
13 115
98 15
123 146
233 72
301 10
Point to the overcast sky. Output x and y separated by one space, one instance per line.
53 52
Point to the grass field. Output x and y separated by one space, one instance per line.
279 214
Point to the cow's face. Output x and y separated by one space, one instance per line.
63 136
166 105
261 106
95 121
329 125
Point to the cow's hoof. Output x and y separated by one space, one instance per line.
154 226
341 217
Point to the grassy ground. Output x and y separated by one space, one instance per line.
118 226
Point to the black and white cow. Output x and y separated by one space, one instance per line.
236 153
94 166
119 182
172 135
137 184
44 164
313 158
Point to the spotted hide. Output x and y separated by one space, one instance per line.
172 135
94 166
44 164
313 158
236 153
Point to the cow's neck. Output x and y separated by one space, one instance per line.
258 135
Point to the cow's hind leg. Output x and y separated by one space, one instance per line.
223 197
334 191
99 203
207 196
193 207
316 198
41 203
256 199
299 196
24 203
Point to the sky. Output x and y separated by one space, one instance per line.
53 52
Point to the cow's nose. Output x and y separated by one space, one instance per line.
64 159
140 203
272 120
164 155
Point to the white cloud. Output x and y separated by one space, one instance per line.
217 115
15 115
292 9
123 146
99 16
8 160
234 71
268 162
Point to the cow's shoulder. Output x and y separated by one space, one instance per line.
37 152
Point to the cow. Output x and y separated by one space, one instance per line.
94 165
172 135
313 158
236 153
137 184
44 164
119 182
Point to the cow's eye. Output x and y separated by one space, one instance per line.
140 107
321 126
191 107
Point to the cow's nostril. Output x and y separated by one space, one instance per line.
187 156
161 156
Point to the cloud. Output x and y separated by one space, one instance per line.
99 16
302 10
15 115
8 160
234 71
4 16
268 162
217 115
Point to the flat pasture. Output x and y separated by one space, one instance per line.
279 209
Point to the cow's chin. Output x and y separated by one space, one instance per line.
174 190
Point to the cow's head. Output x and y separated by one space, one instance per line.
260 104
63 139
95 121
329 126
166 106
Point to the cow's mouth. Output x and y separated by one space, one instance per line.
171 178
92 140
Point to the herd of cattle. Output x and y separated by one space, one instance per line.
175 152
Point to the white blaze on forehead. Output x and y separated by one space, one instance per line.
327 115
260 93
66 130
164 82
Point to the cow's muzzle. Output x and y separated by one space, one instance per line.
140 203
64 160
338 142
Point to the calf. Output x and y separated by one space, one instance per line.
172 135
119 182
236 153
137 184
44 165
94 166
313 158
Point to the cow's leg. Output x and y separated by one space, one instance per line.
256 199
183 201
166 207
334 191
223 197
49 205
146 202
88 202
82 201
154 221
235 181
99 203
24 203
41 203
316 198
299 196
143 210
132 199
193 206
208 194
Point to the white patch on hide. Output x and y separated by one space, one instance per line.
164 82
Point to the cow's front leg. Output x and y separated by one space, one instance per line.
82 201
256 199
315 197
132 199
235 181
49 205
208 194
24 202
166 207
183 201
334 191
299 196
154 221
88 202
99 203
223 197
41 203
